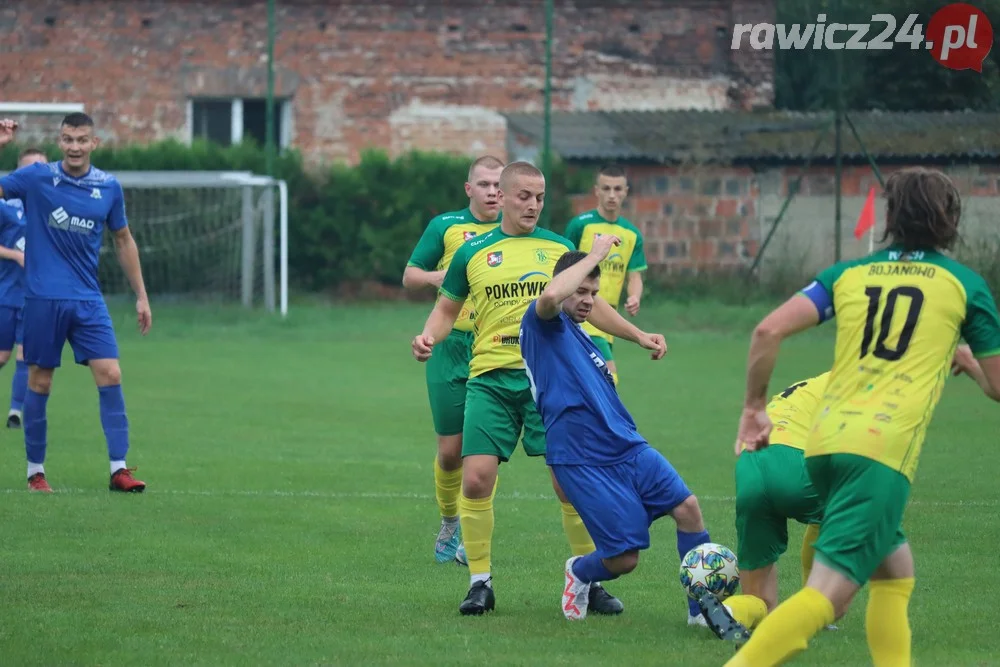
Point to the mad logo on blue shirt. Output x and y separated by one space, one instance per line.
60 219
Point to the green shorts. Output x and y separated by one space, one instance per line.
604 346
772 486
447 373
864 502
498 406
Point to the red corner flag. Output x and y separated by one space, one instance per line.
866 220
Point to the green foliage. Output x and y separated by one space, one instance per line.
896 79
347 224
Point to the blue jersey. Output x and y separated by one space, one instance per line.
11 273
585 420
65 221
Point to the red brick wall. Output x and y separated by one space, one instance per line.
707 219
356 70
691 219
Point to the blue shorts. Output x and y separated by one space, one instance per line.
619 503
48 324
11 328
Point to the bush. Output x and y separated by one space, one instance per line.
347 224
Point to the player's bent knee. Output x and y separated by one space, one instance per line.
479 475
622 563
688 517
450 451
107 372
40 379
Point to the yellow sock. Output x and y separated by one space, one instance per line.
747 609
447 489
808 552
886 622
580 543
786 631
476 518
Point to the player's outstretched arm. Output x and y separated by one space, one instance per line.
439 323
128 257
7 129
610 321
795 315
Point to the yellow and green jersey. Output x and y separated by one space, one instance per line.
442 238
899 318
792 410
623 259
501 274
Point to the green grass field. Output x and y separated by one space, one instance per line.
290 519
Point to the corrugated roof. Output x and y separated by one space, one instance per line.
735 136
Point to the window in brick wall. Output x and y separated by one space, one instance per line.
230 121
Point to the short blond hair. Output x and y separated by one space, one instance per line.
518 170
487 161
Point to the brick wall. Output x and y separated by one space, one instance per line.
393 74
697 220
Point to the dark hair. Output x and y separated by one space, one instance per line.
569 259
612 171
78 119
923 207
27 152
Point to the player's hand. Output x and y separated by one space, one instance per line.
963 361
632 305
7 129
602 246
422 346
145 315
754 431
655 342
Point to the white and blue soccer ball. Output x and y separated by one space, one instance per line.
710 567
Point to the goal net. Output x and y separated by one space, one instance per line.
203 236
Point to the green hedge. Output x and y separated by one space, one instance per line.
347 224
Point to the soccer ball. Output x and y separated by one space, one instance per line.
710 567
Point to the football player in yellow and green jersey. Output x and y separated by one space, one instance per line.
622 270
448 371
772 487
501 273
900 313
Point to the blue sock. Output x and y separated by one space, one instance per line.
590 569
114 421
19 385
685 543
35 426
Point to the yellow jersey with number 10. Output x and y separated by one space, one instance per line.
899 318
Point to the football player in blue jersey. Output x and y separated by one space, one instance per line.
67 205
617 482
12 291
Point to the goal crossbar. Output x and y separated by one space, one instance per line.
246 180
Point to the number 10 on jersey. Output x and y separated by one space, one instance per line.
914 302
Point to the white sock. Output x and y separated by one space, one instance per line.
482 577
116 466
35 468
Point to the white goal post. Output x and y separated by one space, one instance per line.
205 236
